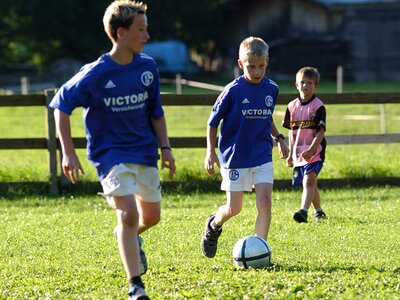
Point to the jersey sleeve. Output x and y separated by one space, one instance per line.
286 119
320 118
220 108
71 95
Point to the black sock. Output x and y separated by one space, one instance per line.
136 280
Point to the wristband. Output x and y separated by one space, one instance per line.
278 137
166 148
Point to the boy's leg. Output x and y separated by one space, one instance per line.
128 219
148 200
123 190
309 187
307 197
316 200
232 207
149 214
319 213
264 206
213 228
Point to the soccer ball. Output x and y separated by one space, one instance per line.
252 252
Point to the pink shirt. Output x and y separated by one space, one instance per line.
304 120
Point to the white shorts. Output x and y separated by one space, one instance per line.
238 180
133 179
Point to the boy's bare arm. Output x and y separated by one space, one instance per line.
211 156
314 145
282 147
167 159
71 165
289 160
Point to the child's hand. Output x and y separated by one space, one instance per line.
307 155
289 161
209 161
72 167
283 149
168 161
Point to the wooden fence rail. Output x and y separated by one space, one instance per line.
51 143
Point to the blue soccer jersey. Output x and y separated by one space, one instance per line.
118 102
245 110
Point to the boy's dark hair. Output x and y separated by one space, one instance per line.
309 72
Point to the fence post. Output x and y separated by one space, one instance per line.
178 83
51 142
383 119
24 85
339 79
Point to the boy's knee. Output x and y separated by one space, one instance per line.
310 179
129 217
235 210
150 220
309 184
265 203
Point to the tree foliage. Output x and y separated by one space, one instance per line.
41 31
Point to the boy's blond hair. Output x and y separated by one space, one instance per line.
253 45
309 72
121 13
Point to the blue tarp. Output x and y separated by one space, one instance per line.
172 56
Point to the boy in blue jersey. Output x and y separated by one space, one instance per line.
124 123
245 108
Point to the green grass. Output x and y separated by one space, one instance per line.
63 248
345 161
342 161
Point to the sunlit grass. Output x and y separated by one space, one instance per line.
49 251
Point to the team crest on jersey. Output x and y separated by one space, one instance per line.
147 78
233 175
269 101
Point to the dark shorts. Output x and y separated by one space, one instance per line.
299 172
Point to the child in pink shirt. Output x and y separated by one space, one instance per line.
306 120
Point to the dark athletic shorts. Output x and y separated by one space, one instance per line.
299 172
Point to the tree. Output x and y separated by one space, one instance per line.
40 31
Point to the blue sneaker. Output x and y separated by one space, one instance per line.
143 260
137 293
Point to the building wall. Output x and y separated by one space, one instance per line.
363 38
308 17
374 35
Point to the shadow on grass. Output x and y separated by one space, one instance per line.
10 189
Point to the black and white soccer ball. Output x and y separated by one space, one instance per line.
252 252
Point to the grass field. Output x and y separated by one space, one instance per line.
63 248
